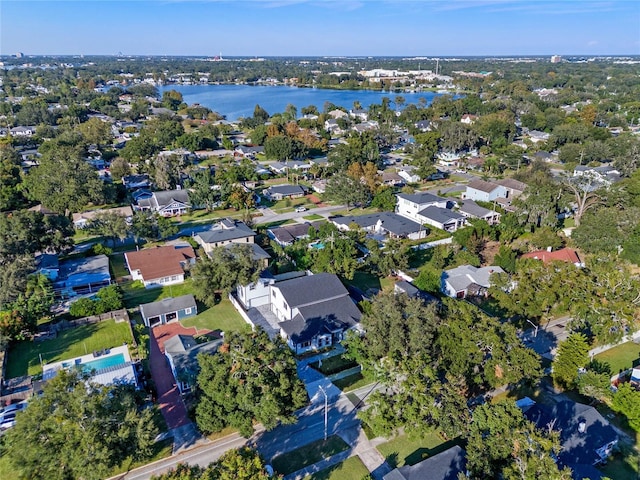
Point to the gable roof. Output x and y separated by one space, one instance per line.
482 186
392 222
443 466
473 209
91 214
167 305
285 189
512 184
159 262
160 200
289 233
563 255
299 292
421 198
225 230
565 417
460 278
337 314
184 351
440 215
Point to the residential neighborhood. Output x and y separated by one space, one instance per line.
408 289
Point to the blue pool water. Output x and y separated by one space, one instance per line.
317 246
105 362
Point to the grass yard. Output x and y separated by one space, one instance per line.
223 317
403 450
117 265
351 469
625 466
313 217
365 281
334 364
353 382
24 357
621 357
308 455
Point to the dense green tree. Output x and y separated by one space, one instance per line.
237 464
347 191
573 355
81 430
64 182
626 401
250 378
119 168
222 270
201 193
501 443
10 195
171 99
95 132
111 225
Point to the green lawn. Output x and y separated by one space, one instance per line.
353 382
24 357
334 364
313 217
118 265
223 317
403 450
621 357
308 455
623 467
365 281
351 469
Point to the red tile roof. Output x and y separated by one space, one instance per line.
159 262
562 255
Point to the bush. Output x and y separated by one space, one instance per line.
83 307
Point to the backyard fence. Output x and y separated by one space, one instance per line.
53 328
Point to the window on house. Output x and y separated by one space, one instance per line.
305 344
188 310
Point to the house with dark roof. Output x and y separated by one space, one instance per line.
280 192
168 310
442 466
287 234
442 218
313 311
411 204
470 209
160 266
132 182
82 276
224 232
168 203
409 289
586 436
382 223
467 280
182 354
566 254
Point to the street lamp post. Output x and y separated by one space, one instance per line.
535 334
326 406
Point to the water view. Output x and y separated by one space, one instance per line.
235 101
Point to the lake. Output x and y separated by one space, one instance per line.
235 101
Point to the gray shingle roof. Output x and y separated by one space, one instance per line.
289 233
164 198
443 466
473 209
483 186
577 448
441 215
286 189
226 230
421 198
332 315
257 252
463 276
311 289
392 222
167 305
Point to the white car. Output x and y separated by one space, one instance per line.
7 420
15 407
301 209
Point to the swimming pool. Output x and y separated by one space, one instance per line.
105 362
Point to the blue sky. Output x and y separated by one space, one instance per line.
321 27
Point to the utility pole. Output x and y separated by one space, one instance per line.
326 407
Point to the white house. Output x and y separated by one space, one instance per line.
410 205
159 266
167 203
484 191
467 280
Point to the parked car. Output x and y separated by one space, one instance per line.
301 209
15 407
7 420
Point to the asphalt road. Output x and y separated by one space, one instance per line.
341 415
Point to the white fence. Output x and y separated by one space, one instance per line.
424 246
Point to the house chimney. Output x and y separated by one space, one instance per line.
582 427
549 249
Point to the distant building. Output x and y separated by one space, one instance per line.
556 59
567 255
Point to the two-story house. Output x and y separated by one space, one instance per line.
168 203
428 209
